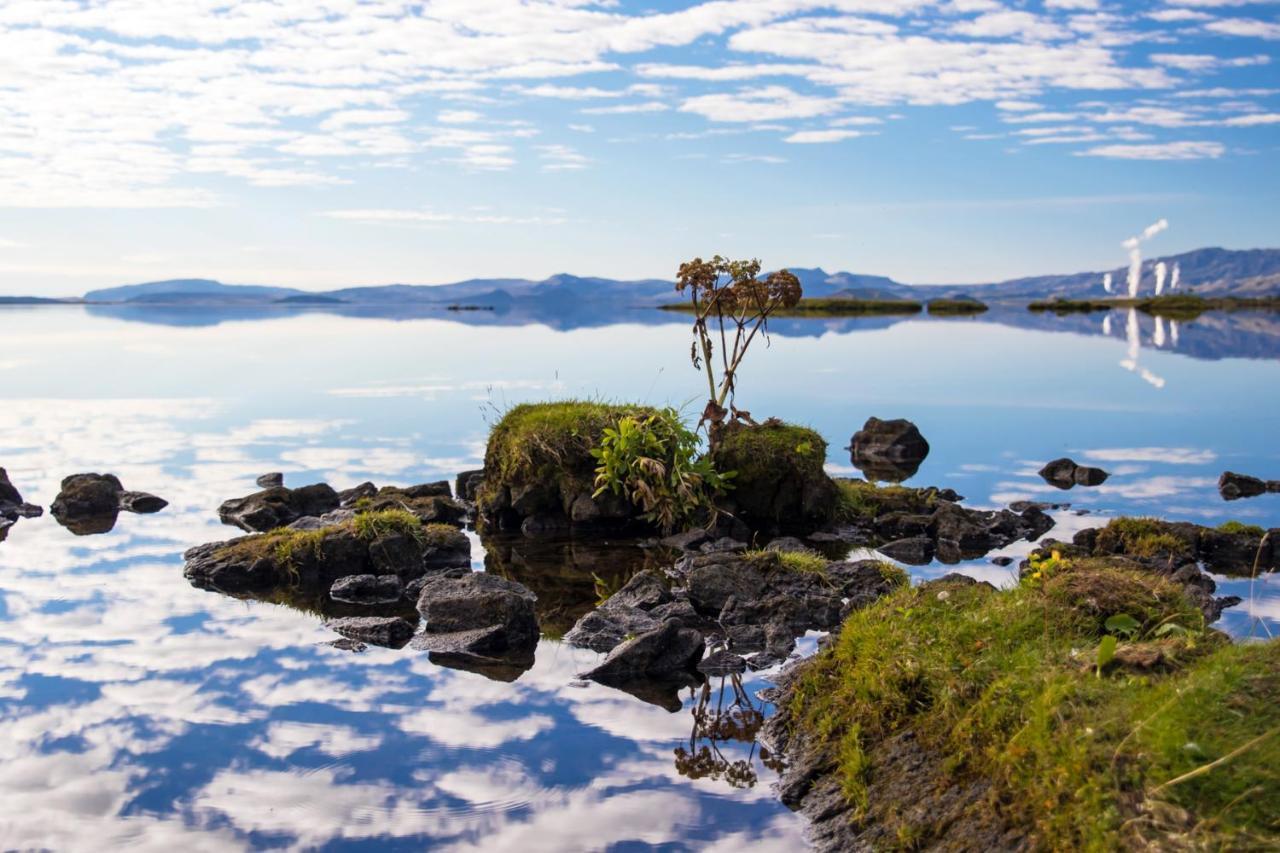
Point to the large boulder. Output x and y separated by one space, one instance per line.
1064 473
89 503
626 613
538 468
87 495
278 507
888 450
780 483
714 579
1233 486
477 614
665 650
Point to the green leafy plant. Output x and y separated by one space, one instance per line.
732 303
654 462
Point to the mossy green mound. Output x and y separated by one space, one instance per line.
779 480
538 459
956 714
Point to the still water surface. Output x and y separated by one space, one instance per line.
136 711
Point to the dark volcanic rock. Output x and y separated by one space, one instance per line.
689 540
479 613
90 503
467 483
914 551
390 631
666 649
347 498
367 589
12 507
278 507
714 579
274 480
1233 486
604 628
888 450
1065 473
141 502
645 590
87 495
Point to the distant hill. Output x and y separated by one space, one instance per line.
1217 272
1212 271
189 290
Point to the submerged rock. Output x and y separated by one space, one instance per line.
1233 486
888 450
1065 474
389 631
367 589
479 614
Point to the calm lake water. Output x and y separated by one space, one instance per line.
136 711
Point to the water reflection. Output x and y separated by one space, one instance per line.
136 710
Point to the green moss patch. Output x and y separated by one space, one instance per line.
779 479
1234 527
548 445
1142 537
1174 744
859 499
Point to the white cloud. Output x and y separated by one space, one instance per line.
1158 151
768 103
625 109
1245 27
814 136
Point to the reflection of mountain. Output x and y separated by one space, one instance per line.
1210 271
1212 336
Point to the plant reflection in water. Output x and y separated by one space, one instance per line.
735 718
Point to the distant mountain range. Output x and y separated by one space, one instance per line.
1217 272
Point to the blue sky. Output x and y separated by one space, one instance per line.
338 142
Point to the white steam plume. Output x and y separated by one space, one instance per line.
1161 270
1173 279
1134 245
1106 282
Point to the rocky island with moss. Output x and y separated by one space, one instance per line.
1090 705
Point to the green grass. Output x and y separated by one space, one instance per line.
832 307
287 548
795 561
1141 537
956 307
1234 526
1001 686
372 525
778 468
550 442
859 499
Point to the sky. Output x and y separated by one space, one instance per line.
324 143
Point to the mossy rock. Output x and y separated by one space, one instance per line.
538 464
941 699
779 481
